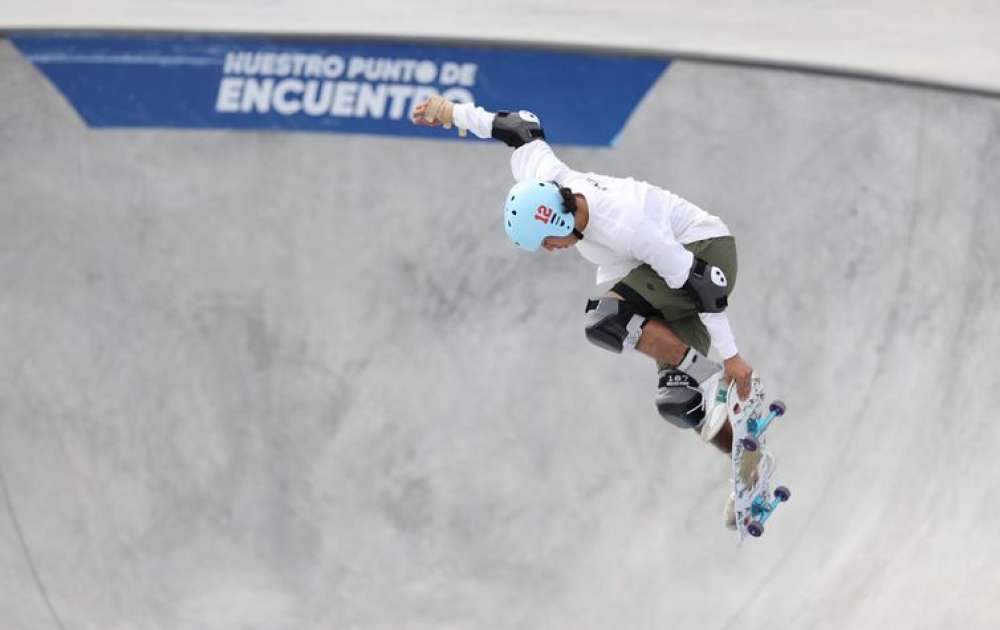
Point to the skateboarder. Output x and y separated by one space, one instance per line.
673 264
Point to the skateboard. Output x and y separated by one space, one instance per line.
753 463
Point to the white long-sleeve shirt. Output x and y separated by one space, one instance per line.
631 222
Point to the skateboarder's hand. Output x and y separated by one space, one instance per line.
740 371
433 112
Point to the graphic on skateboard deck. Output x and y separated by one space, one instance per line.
753 463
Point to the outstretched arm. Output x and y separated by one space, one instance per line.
533 158
437 111
515 129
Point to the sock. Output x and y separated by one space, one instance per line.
698 366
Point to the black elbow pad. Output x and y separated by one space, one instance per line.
516 129
709 287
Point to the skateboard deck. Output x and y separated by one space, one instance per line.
753 463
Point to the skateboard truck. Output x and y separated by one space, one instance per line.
761 509
756 427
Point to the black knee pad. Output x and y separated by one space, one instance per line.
678 400
613 324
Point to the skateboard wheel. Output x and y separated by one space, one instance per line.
750 444
755 529
782 493
778 408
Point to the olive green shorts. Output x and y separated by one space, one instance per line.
676 307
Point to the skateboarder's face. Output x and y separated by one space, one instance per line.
552 243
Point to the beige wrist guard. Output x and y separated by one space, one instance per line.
441 109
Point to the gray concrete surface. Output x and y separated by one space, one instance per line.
950 43
286 381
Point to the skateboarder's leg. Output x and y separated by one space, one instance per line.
660 342
672 333
691 332
621 321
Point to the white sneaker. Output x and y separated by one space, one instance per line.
713 396
705 376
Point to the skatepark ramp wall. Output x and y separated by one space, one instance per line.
302 381
947 44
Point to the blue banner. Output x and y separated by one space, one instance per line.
335 86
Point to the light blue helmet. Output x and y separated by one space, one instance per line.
533 211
